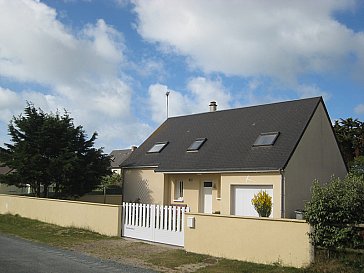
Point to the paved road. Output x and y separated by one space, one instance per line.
21 256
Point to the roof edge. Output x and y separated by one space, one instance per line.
245 107
219 171
138 167
333 132
303 132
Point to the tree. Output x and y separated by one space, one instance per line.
47 149
350 136
334 212
111 180
357 166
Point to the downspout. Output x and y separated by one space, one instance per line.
283 194
122 184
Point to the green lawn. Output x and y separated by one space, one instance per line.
45 233
167 258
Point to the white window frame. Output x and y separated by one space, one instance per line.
178 190
157 147
272 137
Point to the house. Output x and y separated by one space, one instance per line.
117 157
215 162
6 189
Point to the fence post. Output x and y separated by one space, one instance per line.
174 218
133 214
147 218
129 213
169 218
165 218
179 215
157 217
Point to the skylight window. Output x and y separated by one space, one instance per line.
196 145
158 147
266 139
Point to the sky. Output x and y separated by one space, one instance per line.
109 63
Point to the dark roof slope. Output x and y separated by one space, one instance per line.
4 169
118 156
230 137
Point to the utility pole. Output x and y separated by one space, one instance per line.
167 94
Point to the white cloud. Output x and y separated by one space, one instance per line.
308 91
200 91
45 51
81 71
8 100
122 3
359 109
203 91
281 39
12 103
147 67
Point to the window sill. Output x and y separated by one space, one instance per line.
218 198
178 201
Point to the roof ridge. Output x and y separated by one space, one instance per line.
250 106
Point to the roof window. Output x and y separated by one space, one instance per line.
158 147
196 145
266 139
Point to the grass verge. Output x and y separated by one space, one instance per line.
46 233
159 257
177 258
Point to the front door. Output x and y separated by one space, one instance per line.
207 197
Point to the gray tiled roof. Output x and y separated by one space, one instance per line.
118 157
230 135
4 169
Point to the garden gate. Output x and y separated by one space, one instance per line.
161 224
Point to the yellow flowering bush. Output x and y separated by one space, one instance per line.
262 203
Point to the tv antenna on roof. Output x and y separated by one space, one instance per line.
167 94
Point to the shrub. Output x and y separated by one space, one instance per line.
262 203
334 212
357 166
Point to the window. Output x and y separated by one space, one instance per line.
266 139
207 184
196 145
178 190
158 147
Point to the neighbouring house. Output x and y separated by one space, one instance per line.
215 162
6 189
119 156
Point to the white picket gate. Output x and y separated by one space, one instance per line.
162 224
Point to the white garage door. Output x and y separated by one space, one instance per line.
242 199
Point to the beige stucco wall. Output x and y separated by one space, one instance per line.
222 189
101 218
115 199
250 239
193 188
143 184
316 157
228 180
